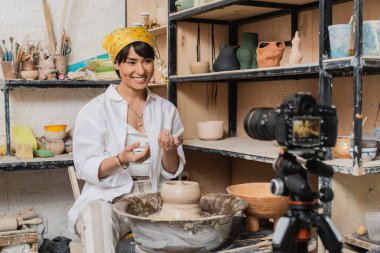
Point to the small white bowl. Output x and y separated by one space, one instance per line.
367 154
210 130
200 67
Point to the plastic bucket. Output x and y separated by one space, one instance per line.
373 225
340 40
371 37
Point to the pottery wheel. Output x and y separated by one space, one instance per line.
139 250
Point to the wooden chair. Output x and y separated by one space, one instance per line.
75 245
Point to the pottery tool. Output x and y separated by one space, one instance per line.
61 29
377 115
12 223
365 119
49 27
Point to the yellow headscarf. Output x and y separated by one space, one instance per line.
114 42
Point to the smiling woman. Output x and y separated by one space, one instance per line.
126 142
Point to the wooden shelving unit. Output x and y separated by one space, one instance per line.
13 85
276 73
361 241
159 31
10 163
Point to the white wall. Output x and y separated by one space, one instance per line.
88 21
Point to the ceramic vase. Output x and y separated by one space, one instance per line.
295 56
340 40
371 37
227 59
269 54
246 53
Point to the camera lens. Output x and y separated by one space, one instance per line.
260 124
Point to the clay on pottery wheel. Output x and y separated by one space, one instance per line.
269 54
180 200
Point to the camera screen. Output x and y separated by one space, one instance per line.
306 131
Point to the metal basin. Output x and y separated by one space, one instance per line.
165 235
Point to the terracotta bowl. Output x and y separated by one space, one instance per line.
262 204
210 130
200 67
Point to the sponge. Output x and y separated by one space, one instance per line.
23 135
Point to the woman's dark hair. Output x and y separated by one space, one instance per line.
141 48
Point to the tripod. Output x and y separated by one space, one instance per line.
293 230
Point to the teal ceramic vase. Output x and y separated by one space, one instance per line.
371 37
247 51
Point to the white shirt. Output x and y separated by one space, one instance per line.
100 132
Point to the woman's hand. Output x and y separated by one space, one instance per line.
169 142
128 156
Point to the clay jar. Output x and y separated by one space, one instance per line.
342 147
269 54
227 59
57 147
29 70
180 200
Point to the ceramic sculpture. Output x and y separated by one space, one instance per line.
295 56
269 54
227 59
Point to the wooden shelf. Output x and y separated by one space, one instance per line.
10 163
248 149
371 64
267 151
310 70
360 241
24 84
159 31
345 166
157 85
238 9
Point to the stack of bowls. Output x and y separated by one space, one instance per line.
54 138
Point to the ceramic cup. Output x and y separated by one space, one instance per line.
340 40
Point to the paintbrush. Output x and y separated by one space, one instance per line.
12 52
1 53
5 51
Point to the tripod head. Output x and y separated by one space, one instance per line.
292 179
293 229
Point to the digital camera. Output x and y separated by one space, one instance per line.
299 122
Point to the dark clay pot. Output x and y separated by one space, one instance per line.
227 59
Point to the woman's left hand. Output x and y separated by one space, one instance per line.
168 142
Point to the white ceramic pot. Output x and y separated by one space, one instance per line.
210 130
